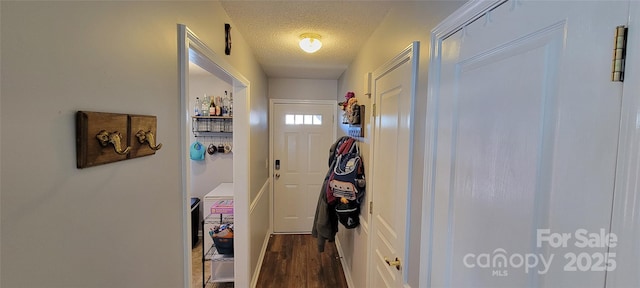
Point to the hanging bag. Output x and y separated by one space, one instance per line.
346 171
345 186
348 214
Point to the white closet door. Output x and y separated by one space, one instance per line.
527 131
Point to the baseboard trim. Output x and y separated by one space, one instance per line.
256 273
347 272
293 233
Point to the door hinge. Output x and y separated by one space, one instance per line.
374 110
619 54
370 207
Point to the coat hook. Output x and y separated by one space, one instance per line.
114 138
149 138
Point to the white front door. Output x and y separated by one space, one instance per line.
526 128
394 90
302 136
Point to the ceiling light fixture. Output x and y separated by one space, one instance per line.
310 42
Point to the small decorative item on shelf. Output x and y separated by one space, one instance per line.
347 106
354 115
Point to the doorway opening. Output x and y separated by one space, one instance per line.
192 49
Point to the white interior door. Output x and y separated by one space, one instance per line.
394 90
526 140
302 136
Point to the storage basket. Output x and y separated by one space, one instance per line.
224 245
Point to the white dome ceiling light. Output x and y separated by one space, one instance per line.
310 42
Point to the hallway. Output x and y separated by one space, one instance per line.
293 260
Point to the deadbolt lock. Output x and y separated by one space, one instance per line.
395 263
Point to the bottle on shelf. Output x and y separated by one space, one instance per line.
212 109
225 105
196 108
218 108
230 104
204 108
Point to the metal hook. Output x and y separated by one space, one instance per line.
149 138
105 138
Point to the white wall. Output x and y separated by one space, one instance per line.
406 22
302 89
260 229
119 224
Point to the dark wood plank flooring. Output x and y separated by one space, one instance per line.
294 261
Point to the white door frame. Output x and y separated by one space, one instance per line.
272 103
218 66
625 222
410 53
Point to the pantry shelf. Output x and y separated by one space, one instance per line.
212 126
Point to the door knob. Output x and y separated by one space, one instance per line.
277 175
395 263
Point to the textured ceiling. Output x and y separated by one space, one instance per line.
273 28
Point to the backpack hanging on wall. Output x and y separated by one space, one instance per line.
346 184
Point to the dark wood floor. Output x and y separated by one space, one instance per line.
294 261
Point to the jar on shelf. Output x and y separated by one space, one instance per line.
205 105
